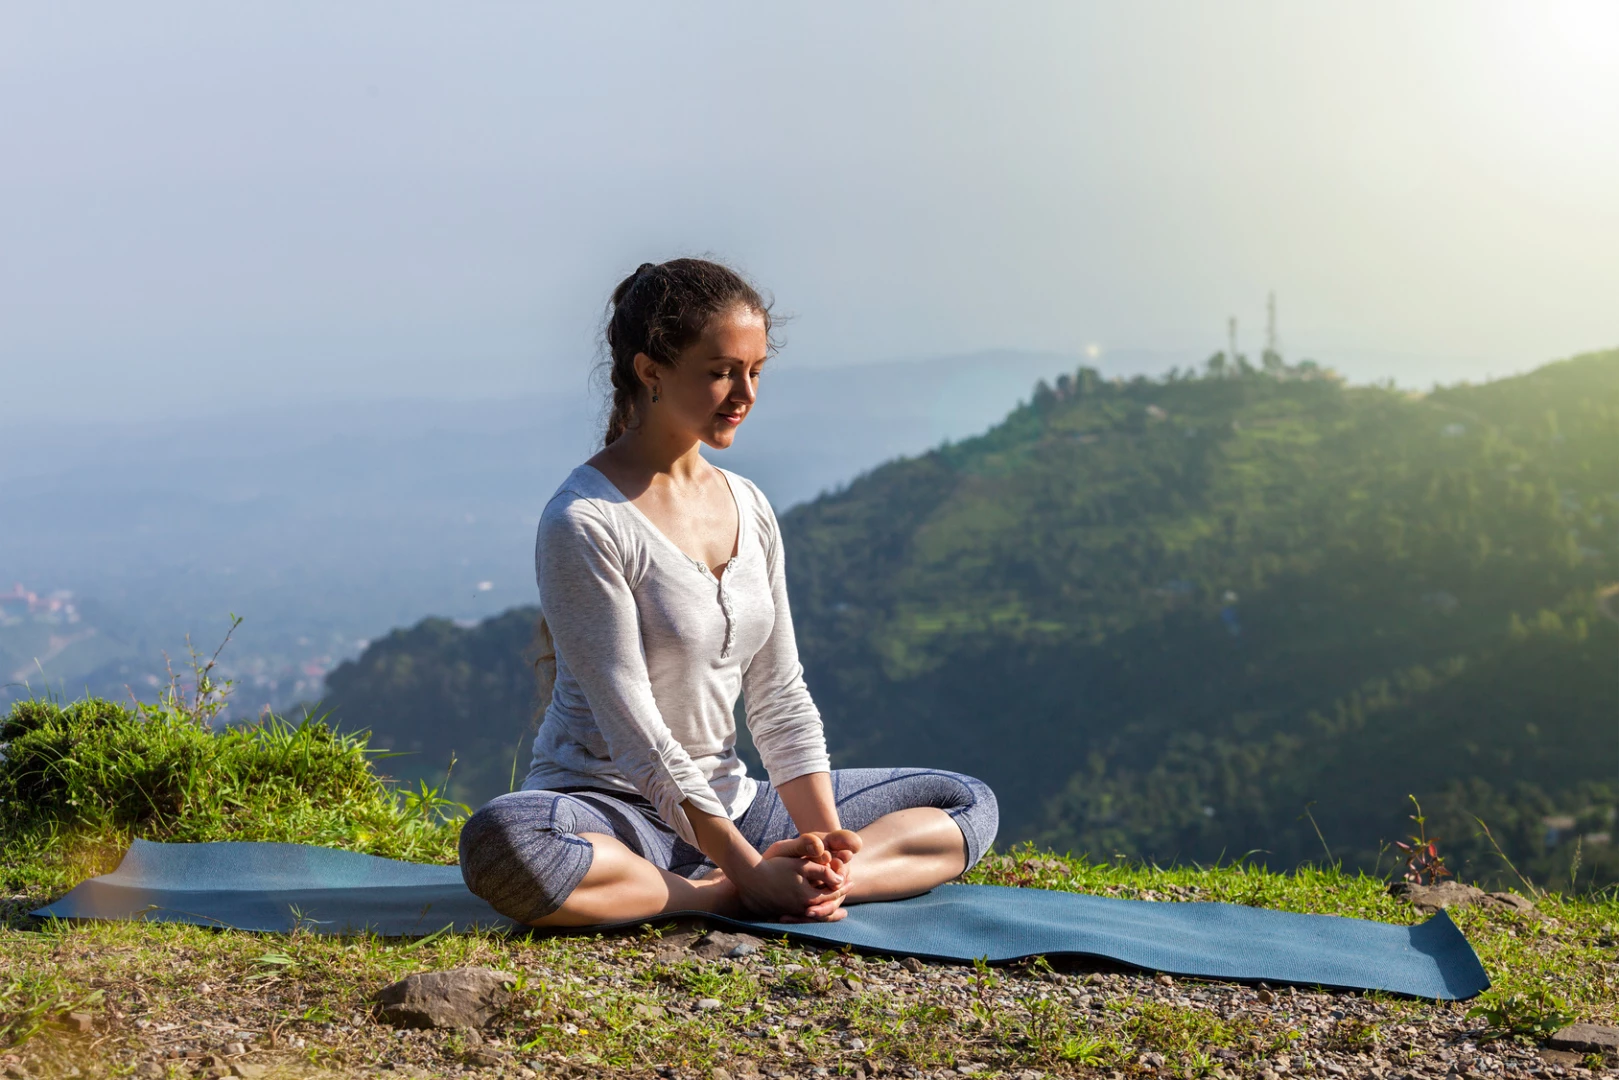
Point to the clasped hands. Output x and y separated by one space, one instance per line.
803 879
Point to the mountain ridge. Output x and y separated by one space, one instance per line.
1136 607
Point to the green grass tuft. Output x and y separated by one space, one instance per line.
79 781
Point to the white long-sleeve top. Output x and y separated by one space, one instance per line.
652 650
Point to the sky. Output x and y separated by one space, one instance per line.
212 208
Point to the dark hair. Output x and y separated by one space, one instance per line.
660 310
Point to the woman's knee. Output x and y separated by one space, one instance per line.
976 812
968 800
521 853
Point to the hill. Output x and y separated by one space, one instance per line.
1163 617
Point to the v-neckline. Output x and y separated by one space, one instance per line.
741 522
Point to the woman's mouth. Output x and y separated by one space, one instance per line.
731 418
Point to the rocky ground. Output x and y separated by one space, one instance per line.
676 1002
684 1003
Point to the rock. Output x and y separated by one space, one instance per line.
485 1057
246 1070
970 1068
233 1049
150 1069
649 1012
1266 997
1586 1038
719 1074
460 997
81 1022
718 943
912 964
673 948
1565 1058
1432 898
1514 902
1447 894
709 1004
1164 980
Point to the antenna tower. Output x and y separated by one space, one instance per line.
1271 347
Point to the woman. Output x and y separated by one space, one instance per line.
664 594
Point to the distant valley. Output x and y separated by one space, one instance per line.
325 526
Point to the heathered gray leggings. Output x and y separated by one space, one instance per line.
522 851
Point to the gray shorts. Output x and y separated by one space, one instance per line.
523 854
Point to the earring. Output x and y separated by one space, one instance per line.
654 393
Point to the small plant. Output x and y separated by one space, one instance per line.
1354 1034
206 698
273 964
984 981
29 1000
1533 1016
1423 863
1527 884
428 807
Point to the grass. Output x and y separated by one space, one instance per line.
77 782
80 781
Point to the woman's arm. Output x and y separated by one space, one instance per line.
808 799
594 622
781 716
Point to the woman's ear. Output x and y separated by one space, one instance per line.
646 369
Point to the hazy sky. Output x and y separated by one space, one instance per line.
233 206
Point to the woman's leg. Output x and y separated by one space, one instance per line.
545 858
918 827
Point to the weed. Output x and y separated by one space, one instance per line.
204 699
1532 1016
1355 1035
1423 863
31 998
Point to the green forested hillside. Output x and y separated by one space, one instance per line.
1164 617
436 690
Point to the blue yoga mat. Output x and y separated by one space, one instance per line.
276 887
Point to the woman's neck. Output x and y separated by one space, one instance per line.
648 454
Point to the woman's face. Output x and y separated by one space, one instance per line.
715 380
